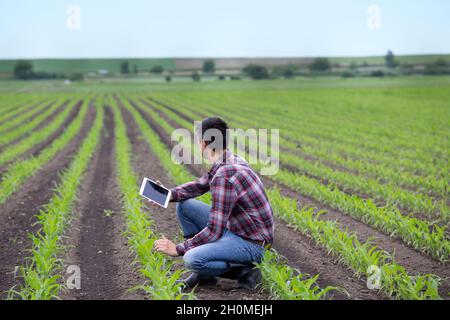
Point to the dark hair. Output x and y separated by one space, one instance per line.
214 123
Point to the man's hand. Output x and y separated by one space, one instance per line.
166 246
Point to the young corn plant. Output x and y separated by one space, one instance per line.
286 283
17 105
27 115
41 273
302 286
414 232
17 172
14 151
155 267
351 252
345 246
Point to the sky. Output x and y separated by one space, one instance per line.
228 28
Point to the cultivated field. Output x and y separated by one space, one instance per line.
363 186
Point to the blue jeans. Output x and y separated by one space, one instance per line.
213 258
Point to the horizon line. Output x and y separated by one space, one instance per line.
221 57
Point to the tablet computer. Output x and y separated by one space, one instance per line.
153 191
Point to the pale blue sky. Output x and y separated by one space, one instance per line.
236 28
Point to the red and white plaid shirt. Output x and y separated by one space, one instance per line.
239 203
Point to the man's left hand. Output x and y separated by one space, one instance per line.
166 246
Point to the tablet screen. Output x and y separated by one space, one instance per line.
155 192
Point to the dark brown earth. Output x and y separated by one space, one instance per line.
96 240
36 149
299 250
17 214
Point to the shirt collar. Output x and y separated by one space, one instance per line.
219 162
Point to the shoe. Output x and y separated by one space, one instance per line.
196 279
247 276
250 280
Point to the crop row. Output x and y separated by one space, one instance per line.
41 273
300 133
153 266
16 106
332 151
385 193
17 172
395 281
316 120
32 138
180 175
414 232
24 116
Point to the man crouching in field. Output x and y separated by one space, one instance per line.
227 238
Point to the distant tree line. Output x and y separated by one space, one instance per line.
320 66
323 66
125 68
23 70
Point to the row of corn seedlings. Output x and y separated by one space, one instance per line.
33 138
14 105
27 115
345 246
417 233
403 169
155 267
18 172
314 128
40 275
296 285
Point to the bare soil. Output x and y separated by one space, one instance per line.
96 240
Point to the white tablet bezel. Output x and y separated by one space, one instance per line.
141 192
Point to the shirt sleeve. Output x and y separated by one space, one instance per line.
224 198
191 189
